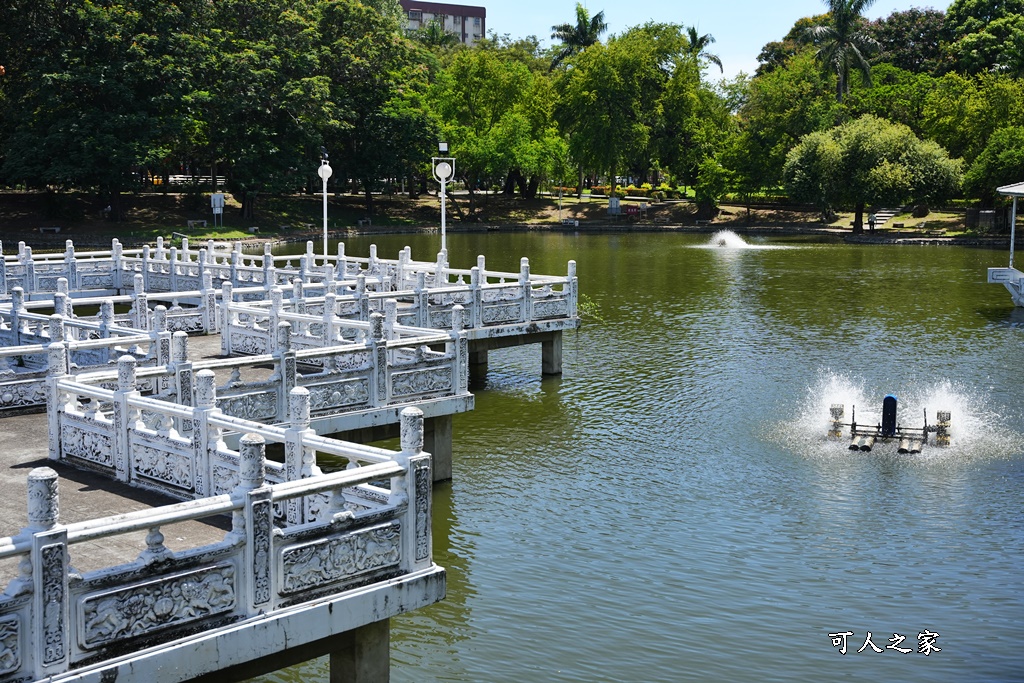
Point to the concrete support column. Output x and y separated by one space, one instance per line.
363 655
551 354
437 440
477 366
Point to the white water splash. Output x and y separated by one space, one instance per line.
727 240
977 428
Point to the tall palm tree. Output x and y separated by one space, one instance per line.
843 44
576 38
697 47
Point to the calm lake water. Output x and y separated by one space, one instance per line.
670 510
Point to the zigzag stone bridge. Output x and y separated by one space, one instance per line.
173 549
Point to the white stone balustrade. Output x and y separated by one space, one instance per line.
54 620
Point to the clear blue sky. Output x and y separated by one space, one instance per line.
740 27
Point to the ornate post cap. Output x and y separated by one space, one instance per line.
43 504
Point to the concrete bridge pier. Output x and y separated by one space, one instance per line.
363 655
550 351
437 440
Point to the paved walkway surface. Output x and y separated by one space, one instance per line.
85 495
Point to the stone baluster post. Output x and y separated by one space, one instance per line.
140 305
379 389
146 265
296 294
304 267
342 261
252 451
58 367
390 318
30 271
403 263
269 272
184 250
330 283
49 630
3 271
525 290
259 526
573 291
441 269
297 463
201 262
476 308
422 300
182 367
159 255
460 342
56 328
235 255
286 368
162 340
330 321
173 259
206 438
226 317
116 265
208 303
106 318
71 264
414 488
362 300
17 310
126 389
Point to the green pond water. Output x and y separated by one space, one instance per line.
669 508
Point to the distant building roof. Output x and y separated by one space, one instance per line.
444 8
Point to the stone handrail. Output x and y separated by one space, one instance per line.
54 620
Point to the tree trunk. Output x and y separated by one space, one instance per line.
530 191
510 183
858 219
579 188
368 195
248 210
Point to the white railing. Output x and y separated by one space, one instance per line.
367 524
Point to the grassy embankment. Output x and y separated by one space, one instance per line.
148 216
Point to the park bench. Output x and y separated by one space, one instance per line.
52 229
194 223
703 222
571 221
661 219
364 221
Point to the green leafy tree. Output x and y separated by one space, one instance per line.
869 161
960 112
575 38
1000 163
380 125
910 40
434 36
843 44
894 94
782 106
697 47
496 108
777 53
985 36
98 93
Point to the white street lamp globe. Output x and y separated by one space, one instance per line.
443 170
324 171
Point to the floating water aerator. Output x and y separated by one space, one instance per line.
836 429
910 440
942 428
889 416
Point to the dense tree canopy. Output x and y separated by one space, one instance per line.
869 161
105 95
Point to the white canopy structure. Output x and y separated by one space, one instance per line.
1010 277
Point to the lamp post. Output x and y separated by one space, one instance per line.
324 172
444 170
